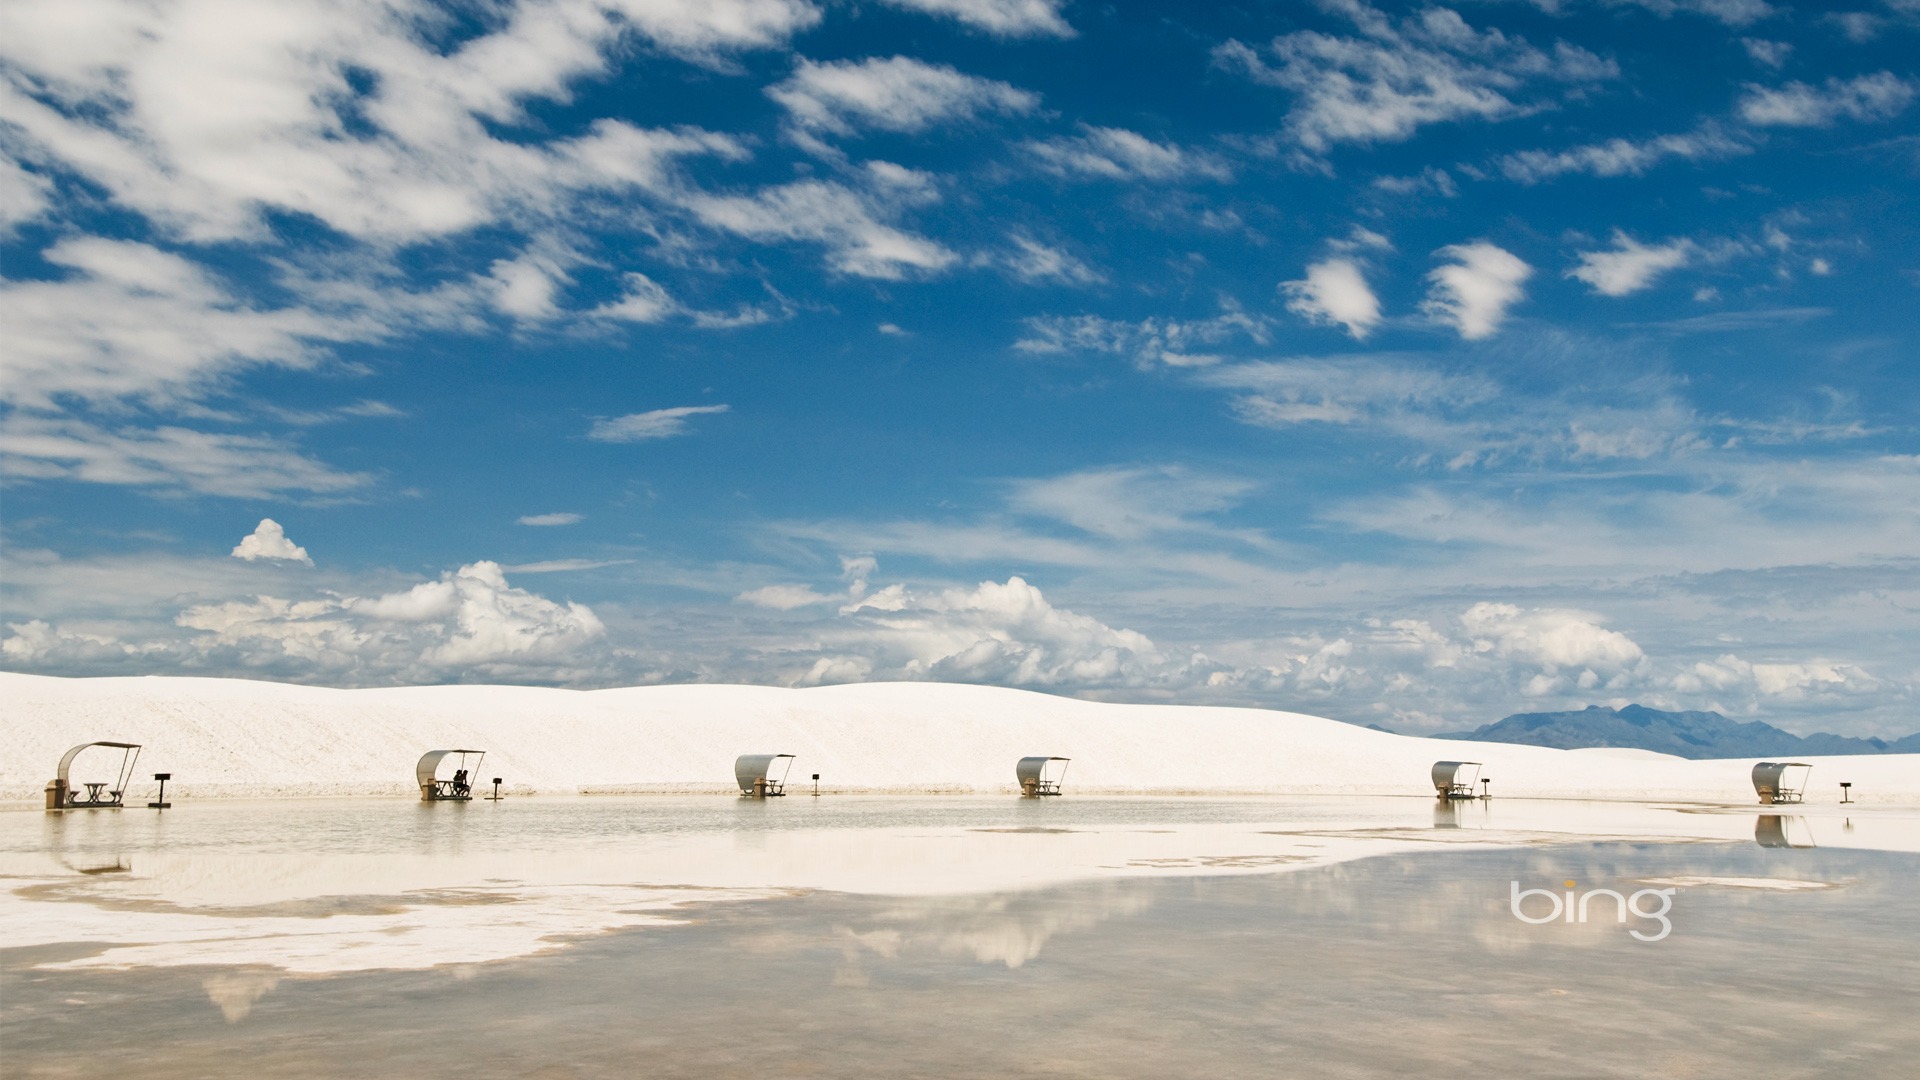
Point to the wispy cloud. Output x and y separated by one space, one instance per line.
1866 98
1036 263
899 94
1630 266
655 424
565 518
1396 77
850 223
1105 153
166 458
1150 341
1002 18
1621 157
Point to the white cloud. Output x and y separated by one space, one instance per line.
1103 153
1620 157
1376 390
1730 12
526 287
898 94
1002 633
37 641
1473 294
204 119
784 597
470 617
166 458
1035 263
643 301
656 424
1791 681
1880 96
1335 291
1630 266
1129 503
1392 79
1428 180
547 520
24 195
1771 54
849 223
269 541
1005 18
564 566
1552 639
135 322
1174 342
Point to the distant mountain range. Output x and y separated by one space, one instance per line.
1683 734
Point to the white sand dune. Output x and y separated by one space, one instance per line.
239 738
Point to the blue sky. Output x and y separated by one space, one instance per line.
1411 365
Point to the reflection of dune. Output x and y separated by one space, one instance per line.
1008 929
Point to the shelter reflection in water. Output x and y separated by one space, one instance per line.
1782 831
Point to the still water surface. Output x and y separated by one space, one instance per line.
1402 959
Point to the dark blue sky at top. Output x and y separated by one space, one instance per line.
1744 525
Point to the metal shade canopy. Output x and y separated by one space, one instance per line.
1781 781
762 774
1040 775
433 789
1455 779
97 794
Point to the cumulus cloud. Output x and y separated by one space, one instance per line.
1103 153
269 541
1392 78
899 94
654 424
1335 291
1002 633
1630 266
1621 157
1175 342
1553 639
1003 18
1790 680
469 618
552 519
1880 96
1474 292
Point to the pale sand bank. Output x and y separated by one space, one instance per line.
238 738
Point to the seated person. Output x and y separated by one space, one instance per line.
460 782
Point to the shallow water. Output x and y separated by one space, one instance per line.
1399 958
